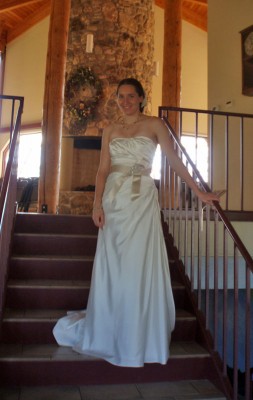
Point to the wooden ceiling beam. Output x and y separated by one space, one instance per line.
161 3
30 21
7 5
200 2
195 19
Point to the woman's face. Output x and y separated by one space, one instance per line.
128 100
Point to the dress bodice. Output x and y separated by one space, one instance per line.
135 150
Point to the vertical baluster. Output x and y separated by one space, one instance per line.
216 291
174 206
169 194
186 202
207 264
12 118
248 319
200 222
162 184
226 158
225 299
235 338
193 241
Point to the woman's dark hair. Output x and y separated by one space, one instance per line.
138 87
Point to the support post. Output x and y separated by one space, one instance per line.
172 53
49 181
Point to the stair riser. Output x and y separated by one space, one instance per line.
54 245
51 269
62 224
99 372
181 300
56 298
68 299
36 268
41 332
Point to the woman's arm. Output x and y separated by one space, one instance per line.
177 164
103 171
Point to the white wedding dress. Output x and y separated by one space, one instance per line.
130 313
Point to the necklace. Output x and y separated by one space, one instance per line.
128 125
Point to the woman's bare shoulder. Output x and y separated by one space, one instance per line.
151 119
108 130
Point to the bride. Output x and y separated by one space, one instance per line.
130 313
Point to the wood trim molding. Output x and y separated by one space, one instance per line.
43 12
193 17
7 5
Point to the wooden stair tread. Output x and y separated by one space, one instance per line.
30 315
30 283
48 283
52 352
44 256
51 257
60 235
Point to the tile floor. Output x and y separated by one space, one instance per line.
183 390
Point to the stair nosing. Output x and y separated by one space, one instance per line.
55 234
52 257
55 284
66 354
23 317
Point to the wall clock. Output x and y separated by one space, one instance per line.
247 60
248 44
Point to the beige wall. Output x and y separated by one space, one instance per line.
194 67
226 19
194 75
25 75
25 70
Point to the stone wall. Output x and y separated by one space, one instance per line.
123 37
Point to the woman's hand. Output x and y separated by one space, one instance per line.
208 197
98 217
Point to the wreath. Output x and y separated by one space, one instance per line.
83 91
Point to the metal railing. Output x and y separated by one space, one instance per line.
218 268
230 137
11 108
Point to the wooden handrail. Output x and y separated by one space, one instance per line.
221 128
14 131
8 192
216 205
217 267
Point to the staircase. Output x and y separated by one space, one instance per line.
50 271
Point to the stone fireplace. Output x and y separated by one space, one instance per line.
122 33
79 196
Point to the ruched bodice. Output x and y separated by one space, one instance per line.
128 151
130 313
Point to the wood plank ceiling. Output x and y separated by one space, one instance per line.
16 16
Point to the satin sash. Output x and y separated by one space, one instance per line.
136 171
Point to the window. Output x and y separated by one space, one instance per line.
156 167
198 152
29 155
